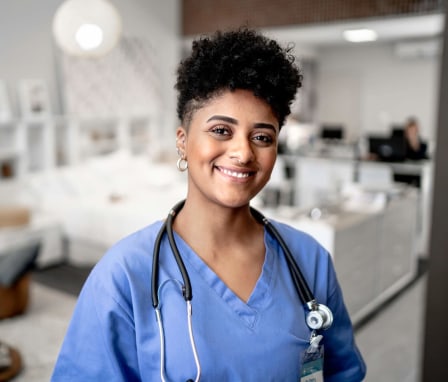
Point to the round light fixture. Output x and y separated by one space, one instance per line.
87 27
89 36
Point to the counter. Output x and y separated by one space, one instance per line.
375 253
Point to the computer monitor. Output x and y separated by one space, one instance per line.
332 132
397 131
388 149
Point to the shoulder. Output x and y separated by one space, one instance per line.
312 258
126 264
115 295
137 246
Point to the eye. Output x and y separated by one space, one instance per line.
221 131
263 139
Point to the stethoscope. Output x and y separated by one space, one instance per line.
318 316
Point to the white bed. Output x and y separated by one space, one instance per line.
104 199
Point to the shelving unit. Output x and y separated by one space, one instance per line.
26 145
12 149
87 137
42 143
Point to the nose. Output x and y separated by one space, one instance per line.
241 150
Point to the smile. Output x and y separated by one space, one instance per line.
235 174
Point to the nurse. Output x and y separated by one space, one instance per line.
234 93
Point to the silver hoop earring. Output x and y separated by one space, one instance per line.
182 164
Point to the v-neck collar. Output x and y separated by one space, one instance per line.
260 295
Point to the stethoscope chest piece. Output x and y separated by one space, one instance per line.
319 318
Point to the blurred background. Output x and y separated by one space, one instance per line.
87 152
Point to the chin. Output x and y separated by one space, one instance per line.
233 202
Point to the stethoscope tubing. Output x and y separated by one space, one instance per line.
300 284
318 313
187 290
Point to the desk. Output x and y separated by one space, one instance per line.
424 171
317 179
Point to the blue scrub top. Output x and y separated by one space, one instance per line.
113 334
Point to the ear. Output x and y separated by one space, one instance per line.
181 140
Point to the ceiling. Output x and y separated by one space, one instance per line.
388 29
413 35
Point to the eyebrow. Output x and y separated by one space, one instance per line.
233 121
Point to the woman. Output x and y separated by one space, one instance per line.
235 91
416 149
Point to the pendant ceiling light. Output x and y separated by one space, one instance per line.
86 27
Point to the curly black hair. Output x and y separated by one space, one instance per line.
238 59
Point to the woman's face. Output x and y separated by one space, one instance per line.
231 147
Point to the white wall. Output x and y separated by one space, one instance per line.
27 49
159 21
368 88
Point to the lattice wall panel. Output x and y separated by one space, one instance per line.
125 82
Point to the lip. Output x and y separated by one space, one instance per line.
240 174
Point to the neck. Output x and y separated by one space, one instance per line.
215 226
229 240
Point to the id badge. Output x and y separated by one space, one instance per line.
313 363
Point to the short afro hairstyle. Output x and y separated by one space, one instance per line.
237 59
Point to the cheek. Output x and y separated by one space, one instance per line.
271 158
203 151
268 163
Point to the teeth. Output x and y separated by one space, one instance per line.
235 174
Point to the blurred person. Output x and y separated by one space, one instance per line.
416 149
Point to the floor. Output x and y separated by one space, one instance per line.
389 342
38 334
